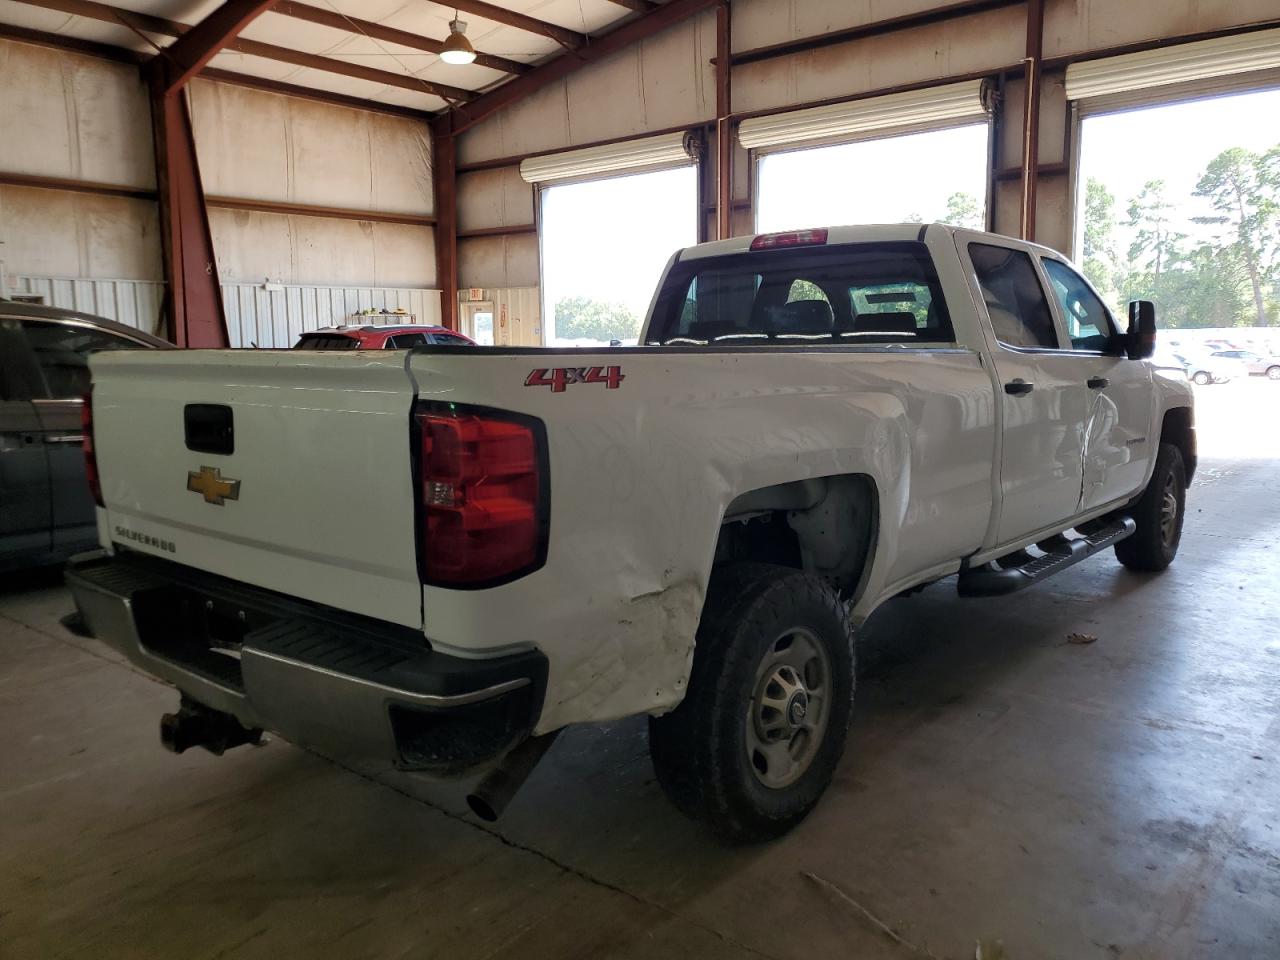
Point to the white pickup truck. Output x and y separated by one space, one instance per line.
440 557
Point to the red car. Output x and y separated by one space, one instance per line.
381 337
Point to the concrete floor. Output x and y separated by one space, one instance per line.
1114 799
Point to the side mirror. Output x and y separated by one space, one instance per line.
1141 340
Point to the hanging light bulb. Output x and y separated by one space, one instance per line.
457 48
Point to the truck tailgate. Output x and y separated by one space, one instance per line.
315 497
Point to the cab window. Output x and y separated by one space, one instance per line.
845 294
1015 299
1088 323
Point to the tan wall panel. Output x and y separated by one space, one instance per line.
991 40
522 260
67 115
762 23
400 165
498 261
665 81
56 233
266 146
242 140
1073 26
254 247
540 122
494 198
404 255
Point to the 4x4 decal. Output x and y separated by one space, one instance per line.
558 378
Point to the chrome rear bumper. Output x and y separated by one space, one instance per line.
319 677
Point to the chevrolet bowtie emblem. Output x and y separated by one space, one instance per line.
209 484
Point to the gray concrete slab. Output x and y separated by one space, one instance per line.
1120 798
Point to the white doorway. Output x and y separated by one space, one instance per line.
477 322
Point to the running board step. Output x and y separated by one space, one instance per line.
1023 570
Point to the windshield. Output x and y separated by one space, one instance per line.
849 294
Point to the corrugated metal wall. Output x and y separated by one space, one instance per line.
265 316
135 302
273 315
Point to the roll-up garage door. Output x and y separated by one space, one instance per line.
1187 69
615 159
942 106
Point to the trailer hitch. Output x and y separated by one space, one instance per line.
195 725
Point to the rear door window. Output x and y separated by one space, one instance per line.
1014 297
847 294
19 376
405 340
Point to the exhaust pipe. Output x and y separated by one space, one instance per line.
492 794
195 725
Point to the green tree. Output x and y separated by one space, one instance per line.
1156 244
1207 290
1101 264
963 210
581 318
1236 184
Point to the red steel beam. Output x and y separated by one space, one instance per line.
193 300
310 93
146 23
444 178
631 32
340 21
58 41
186 57
724 132
489 11
906 21
1031 118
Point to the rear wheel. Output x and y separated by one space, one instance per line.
756 740
1158 514
1273 373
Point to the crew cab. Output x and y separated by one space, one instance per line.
691 529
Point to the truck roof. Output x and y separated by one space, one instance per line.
847 233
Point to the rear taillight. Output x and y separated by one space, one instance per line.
482 495
90 458
792 238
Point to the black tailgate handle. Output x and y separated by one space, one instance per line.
209 428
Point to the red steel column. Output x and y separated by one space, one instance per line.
1031 118
724 141
193 298
444 178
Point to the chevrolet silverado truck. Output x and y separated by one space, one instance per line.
440 557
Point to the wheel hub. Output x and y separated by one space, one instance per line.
797 709
787 715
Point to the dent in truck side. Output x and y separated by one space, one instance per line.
642 477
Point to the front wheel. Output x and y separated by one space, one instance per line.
1273 373
1158 514
756 740
1202 378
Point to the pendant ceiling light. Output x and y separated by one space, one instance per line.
457 48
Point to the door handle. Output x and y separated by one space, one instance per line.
1018 387
1097 383
65 438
